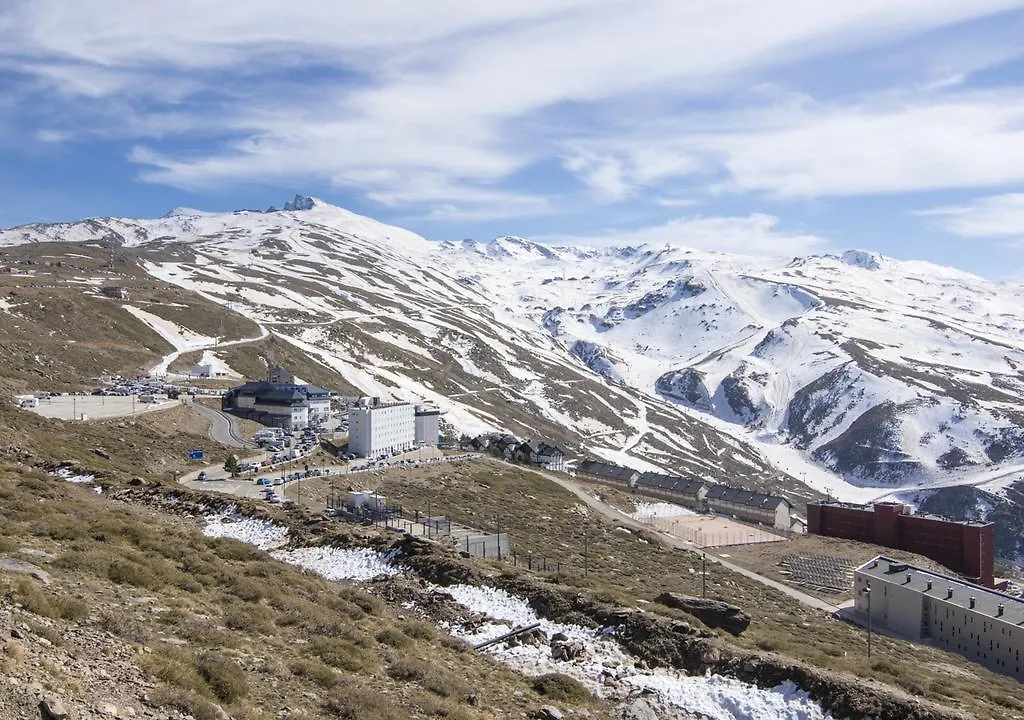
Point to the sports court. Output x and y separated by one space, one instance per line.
712 530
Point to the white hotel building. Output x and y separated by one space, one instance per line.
381 429
985 626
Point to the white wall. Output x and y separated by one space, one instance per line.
373 431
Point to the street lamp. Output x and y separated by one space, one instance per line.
867 593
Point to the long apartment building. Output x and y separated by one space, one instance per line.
985 626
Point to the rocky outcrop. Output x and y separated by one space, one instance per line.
713 613
685 386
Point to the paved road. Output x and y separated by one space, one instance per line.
223 427
672 541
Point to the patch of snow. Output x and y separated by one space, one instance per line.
340 563
263 534
648 511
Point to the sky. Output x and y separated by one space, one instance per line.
782 128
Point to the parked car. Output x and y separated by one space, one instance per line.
262 481
202 475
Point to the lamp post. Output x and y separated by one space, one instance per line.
867 594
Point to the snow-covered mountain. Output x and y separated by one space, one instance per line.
883 372
886 372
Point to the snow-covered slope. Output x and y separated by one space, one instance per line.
885 373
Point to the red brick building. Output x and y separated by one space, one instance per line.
964 547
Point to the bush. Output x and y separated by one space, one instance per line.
185 702
123 626
226 680
36 600
394 637
560 688
418 629
316 671
250 620
126 572
342 654
408 670
352 702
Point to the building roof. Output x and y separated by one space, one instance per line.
741 496
280 392
987 602
673 483
908 513
603 469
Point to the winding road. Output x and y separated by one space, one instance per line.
223 427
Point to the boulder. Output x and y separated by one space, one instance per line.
713 613
566 650
52 708
548 713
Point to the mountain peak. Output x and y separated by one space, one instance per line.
862 259
299 203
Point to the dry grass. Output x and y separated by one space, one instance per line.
236 628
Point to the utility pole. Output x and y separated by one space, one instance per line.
586 569
867 593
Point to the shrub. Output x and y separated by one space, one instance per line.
124 626
227 681
342 654
418 629
560 688
367 603
408 670
884 666
316 671
126 572
352 702
36 600
250 620
186 702
394 637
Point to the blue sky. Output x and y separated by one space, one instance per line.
770 128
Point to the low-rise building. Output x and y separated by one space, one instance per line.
377 429
608 473
985 626
286 406
761 508
539 452
687 491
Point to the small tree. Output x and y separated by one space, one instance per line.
231 465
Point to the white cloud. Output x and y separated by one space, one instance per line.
470 93
996 216
755 234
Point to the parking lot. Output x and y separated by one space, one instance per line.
95 407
